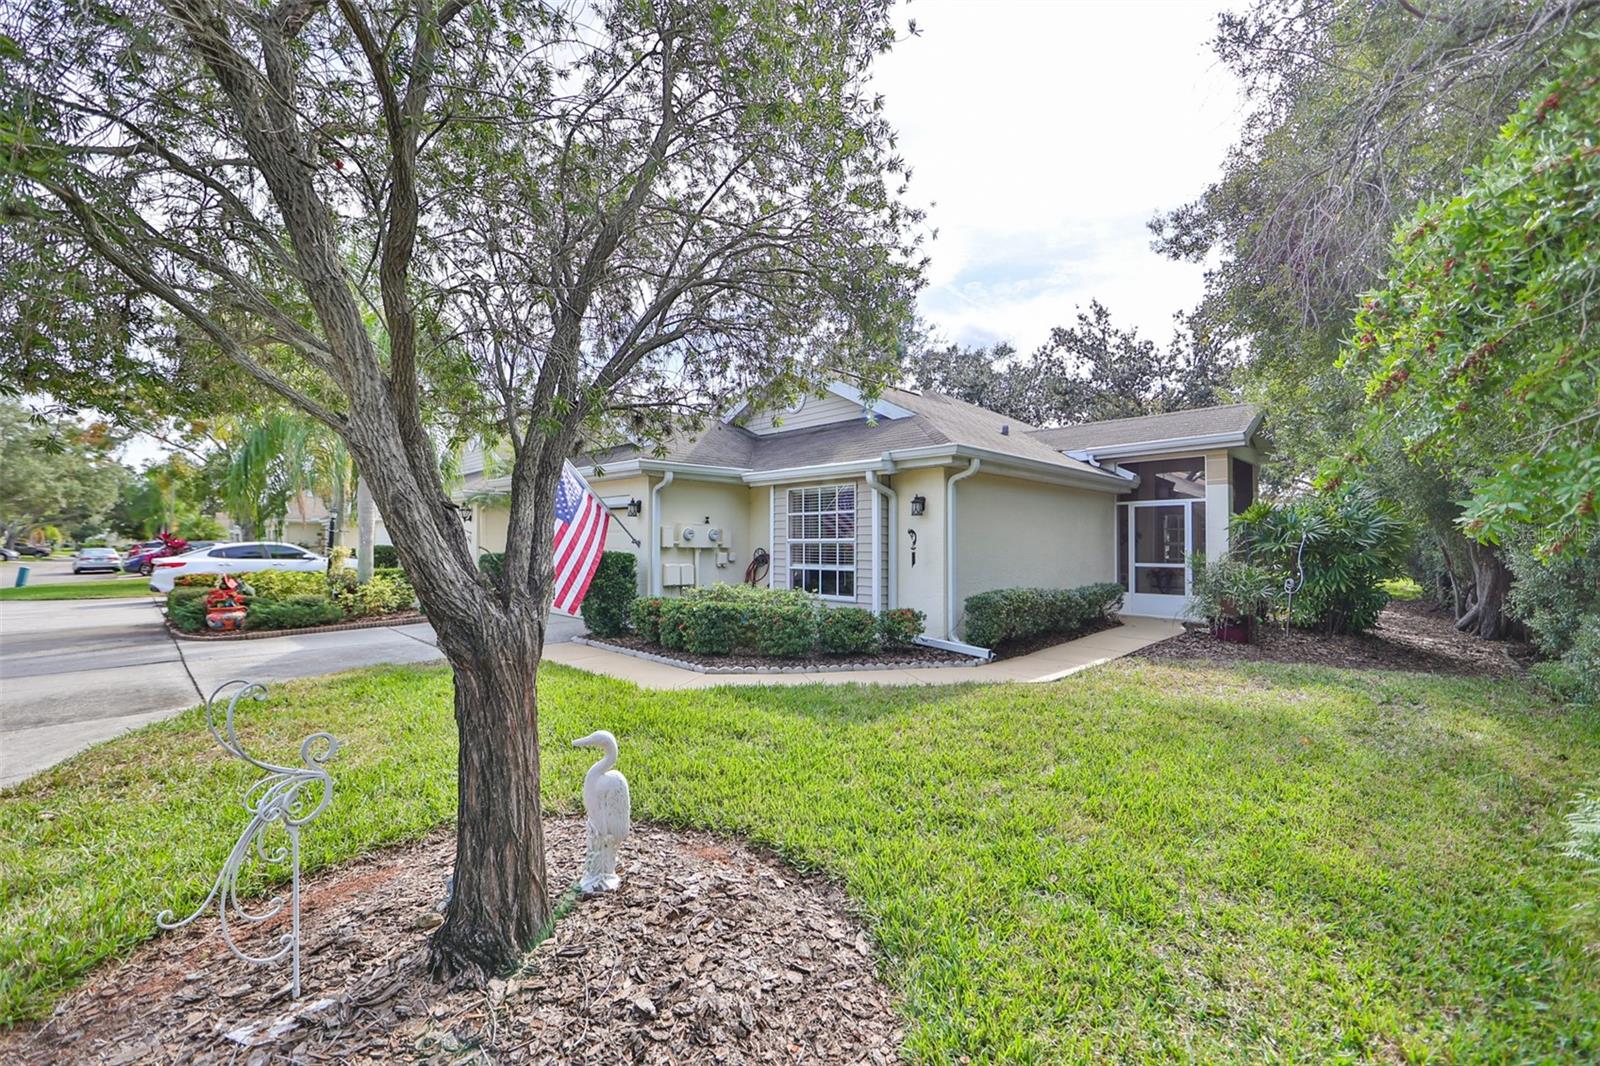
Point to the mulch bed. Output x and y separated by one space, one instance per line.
915 655
376 621
1410 635
710 952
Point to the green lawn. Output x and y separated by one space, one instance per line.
79 590
1143 861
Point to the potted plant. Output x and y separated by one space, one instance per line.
225 606
1231 595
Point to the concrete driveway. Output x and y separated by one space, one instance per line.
76 672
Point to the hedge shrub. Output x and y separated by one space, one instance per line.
281 584
847 631
900 627
295 612
611 593
384 556
703 626
784 630
646 617
1003 616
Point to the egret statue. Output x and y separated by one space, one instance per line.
609 815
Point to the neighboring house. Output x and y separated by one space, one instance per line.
305 522
920 500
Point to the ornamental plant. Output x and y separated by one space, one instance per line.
847 631
611 593
899 627
1345 543
1480 350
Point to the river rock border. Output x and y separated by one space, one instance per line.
808 668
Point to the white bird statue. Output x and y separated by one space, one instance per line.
609 814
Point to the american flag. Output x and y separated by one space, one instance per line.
581 524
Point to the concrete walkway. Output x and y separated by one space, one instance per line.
1051 664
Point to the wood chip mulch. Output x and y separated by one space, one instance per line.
710 952
1410 635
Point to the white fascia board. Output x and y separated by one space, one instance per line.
1019 466
814 473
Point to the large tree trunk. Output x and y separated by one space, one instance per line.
501 903
1491 578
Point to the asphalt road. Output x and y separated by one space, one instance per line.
77 672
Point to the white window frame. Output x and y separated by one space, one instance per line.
818 540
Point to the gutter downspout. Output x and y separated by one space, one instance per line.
950 612
655 539
892 500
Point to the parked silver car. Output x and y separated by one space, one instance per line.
89 559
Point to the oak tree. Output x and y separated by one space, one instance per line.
419 219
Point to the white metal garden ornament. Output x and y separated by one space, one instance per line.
278 799
609 814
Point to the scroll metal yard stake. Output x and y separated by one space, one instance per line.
287 797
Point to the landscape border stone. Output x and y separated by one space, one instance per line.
809 668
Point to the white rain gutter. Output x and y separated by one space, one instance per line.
950 547
654 533
892 501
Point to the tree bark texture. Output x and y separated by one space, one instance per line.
501 902
1491 581
364 525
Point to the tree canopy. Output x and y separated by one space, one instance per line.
1085 372
414 221
1479 352
55 472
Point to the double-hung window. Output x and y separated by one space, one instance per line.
822 540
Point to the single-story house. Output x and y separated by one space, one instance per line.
920 500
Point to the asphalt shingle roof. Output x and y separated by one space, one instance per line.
935 420
1200 422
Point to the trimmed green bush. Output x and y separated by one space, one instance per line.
784 630
645 614
295 612
900 627
186 609
611 593
847 631
384 594
721 619
281 584
1003 616
384 557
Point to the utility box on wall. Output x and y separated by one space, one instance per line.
695 536
677 575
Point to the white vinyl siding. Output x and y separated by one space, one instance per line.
817 411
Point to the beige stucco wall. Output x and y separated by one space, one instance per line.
922 585
1011 532
724 504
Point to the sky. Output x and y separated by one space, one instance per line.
1045 135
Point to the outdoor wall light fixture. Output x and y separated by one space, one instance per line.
635 507
919 505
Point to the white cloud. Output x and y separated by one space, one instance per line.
1045 136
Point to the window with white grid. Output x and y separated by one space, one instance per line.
822 541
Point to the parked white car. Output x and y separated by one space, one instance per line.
96 559
245 557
